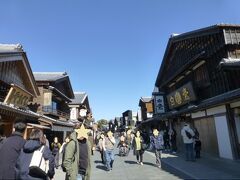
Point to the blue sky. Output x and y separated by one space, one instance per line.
111 49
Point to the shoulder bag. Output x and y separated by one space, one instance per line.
38 166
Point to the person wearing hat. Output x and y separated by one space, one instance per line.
71 157
77 160
84 168
108 147
157 145
188 139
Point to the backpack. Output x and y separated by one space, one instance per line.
63 157
188 134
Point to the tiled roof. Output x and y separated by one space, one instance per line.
11 48
79 98
49 76
146 99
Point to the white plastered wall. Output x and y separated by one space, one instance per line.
224 145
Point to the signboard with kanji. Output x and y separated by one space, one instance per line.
181 96
159 103
18 96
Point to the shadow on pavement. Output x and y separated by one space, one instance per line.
101 167
130 162
149 164
98 162
120 155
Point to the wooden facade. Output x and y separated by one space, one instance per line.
17 88
52 103
146 105
55 94
196 56
199 57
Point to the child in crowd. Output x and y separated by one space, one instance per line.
198 145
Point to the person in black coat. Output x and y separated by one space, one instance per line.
10 150
35 142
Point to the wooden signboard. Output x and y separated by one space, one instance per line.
181 96
149 107
18 96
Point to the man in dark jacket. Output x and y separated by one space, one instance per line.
10 151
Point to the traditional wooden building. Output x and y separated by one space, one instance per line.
146 105
17 88
78 105
129 119
55 95
199 76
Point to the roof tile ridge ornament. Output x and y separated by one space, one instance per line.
79 92
174 34
11 47
58 73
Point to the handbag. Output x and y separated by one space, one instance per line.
38 166
188 134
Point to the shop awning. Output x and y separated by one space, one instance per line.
56 123
227 97
229 63
38 126
12 110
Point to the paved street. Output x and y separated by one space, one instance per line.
126 168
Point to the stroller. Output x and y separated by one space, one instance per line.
123 148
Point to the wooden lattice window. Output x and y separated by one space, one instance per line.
235 54
201 76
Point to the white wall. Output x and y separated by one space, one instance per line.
224 145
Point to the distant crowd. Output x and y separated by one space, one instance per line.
35 158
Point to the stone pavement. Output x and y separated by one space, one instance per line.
205 168
125 168
173 167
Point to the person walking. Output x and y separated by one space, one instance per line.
173 140
71 157
198 147
108 146
138 147
188 139
63 148
157 145
100 145
128 140
85 148
10 150
47 142
55 151
77 160
166 139
36 142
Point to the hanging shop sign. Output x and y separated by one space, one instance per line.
18 96
83 112
47 99
181 96
158 102
73 113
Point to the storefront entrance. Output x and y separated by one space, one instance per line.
207 131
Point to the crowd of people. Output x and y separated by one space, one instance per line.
140 141
76 150
19 155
